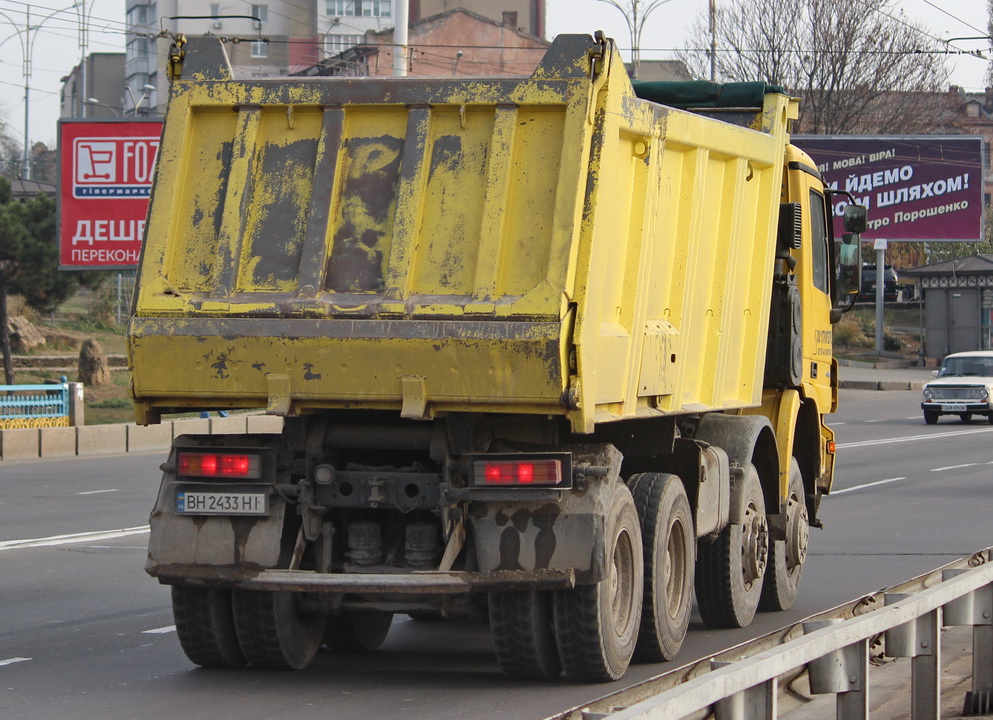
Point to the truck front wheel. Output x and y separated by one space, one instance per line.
274 631
205 626
669 550
730 569
596 626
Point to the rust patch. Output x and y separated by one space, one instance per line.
510 550
368 198
307 374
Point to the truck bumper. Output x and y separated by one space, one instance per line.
408 583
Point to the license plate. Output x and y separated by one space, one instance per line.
960 407
221 503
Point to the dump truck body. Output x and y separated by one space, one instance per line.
539 344
542 245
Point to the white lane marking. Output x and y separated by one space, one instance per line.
912 438
95 492
867 485
872 421
160 631
836 424
11 661
71 539
954 467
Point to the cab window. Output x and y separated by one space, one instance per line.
818 241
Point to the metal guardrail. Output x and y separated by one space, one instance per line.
34 405
833 649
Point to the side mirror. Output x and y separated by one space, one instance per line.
856 218
849 272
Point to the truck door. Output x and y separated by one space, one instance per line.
813 269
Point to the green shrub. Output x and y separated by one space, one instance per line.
849 334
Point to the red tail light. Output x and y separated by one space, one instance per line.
525 472
221 465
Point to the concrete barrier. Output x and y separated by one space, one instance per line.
101 439
17 444
149 437
272 424
190 426
232 425
57 441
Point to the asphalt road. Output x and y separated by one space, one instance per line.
84 633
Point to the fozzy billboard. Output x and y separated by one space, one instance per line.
105 181
916 188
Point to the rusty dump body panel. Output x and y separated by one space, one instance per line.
545 245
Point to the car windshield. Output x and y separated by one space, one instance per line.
967 366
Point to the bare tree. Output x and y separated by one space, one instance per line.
989 29
859 67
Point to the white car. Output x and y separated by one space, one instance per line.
963 387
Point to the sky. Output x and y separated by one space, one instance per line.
55 47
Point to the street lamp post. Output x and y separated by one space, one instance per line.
27 40
135 104
94 101
635 17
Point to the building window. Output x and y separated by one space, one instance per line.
260 49
261 12
137 48
359 8
334 44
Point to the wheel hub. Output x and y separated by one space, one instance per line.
797 532
754 544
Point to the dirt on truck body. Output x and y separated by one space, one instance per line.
548 349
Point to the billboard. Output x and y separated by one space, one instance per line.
916 188
105 179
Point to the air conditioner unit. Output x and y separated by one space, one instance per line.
218 24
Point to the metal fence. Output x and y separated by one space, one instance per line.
834 652
32 406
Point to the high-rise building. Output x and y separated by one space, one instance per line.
291 34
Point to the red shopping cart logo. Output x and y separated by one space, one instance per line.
96 162
113 167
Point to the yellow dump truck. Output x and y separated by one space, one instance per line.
553 349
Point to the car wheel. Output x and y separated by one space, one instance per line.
931 417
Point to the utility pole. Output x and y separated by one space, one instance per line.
400 33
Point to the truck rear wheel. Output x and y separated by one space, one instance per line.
205 626
730 569
273 630
669 546
596 626
523 636
786 557
358 630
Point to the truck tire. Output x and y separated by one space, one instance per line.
205 626
730 569
274 632
669 546
523 636
358 630
786 557
596 626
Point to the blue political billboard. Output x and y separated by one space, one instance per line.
917 188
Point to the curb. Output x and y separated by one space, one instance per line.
881 385
86 440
